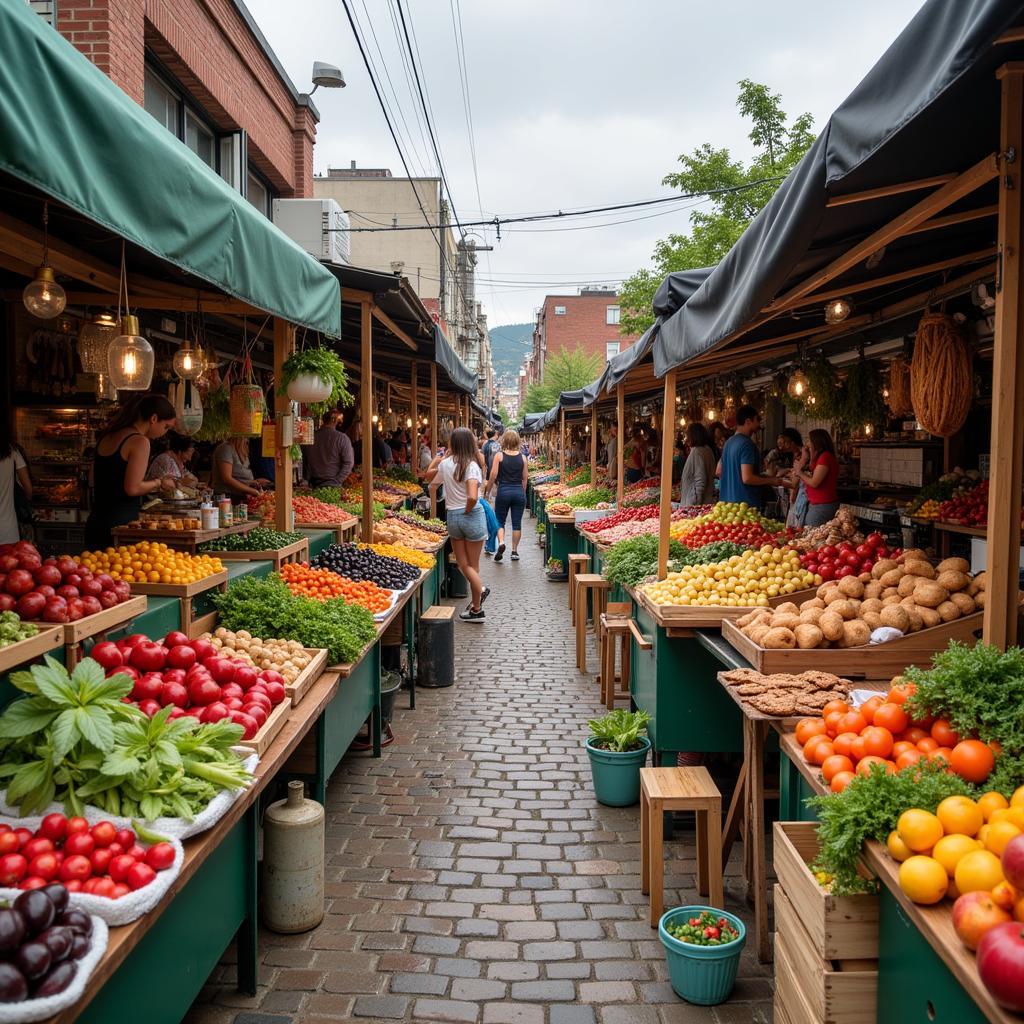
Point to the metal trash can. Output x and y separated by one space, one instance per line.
436 636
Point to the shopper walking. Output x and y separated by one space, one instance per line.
817 468
509 475
119 466
697 483
460 476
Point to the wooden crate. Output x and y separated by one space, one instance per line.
340 530
880 661
708 616
297 551
834 991
838 927
191 625
308 676
49 638
271 727
97 626
182 540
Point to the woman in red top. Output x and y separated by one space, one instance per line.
818 469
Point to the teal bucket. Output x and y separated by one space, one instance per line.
617 776
703 975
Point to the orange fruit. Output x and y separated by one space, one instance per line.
949 849
1017 800
960 815
944 734
891 717
840 781
992 801
869 707
898 849
831 766
999 835
877 741
919 829
923 879
978 870
972 760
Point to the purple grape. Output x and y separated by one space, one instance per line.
57 980
33 959
12 929
57 939
58 896
37 908
80 945
13 986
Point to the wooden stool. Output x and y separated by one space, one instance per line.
577 564
613 646
587 582
680 789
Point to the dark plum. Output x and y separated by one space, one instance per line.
33 960
57 980
58 940
79 945
58 895
13 986
37 908
12 929
77 920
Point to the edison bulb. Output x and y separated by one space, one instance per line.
130 358
43 297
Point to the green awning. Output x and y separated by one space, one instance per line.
69 131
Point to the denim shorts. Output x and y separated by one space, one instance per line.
470 525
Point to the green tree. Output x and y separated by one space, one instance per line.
715 226
563 371
506 420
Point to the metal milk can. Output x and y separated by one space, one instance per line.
292 893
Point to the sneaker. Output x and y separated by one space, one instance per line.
500 553
471 616
515 556
483 597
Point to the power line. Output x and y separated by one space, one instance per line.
408 78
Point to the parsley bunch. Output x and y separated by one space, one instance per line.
629 561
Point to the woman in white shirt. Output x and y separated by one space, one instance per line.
462 478
174 461
12 471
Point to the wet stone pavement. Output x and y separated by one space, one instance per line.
471 875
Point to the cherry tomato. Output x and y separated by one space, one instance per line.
77 825
104 833
140 875
54 826
103 887
79 842
44 865
120 866
944 734
76 866
160 857
100 860
36 846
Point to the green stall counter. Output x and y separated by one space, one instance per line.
562 539
318 539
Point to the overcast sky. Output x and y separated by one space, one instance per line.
575 103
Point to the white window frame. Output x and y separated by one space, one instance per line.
609 346
559 310
612 315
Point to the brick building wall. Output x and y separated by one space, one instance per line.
210 49
566 322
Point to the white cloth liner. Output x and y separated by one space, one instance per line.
177 828
49 1006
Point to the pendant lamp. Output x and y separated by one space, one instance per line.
130 357
186 363
42 296
94 338
798 385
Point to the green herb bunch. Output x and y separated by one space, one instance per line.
326 365
630 560
266 607
260 539
590 498
216 416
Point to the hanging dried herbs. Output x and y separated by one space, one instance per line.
862 398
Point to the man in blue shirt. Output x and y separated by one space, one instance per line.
739 469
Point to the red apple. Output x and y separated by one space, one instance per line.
974 913
1013 861
49 574
1001 964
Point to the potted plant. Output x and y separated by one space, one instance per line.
542 532
702 946
316 377
555 569
617 750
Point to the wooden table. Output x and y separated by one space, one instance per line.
946 530
162 960
183 540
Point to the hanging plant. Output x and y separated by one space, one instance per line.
327 368
862 396
216 415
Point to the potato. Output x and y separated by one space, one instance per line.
812 615
891 599
873 589
954 565
787 620
745 620
808 636
964 602
896 616
916 622
882 566
929 594
929 616
914 555
873 619
979 598
919 567
850 586
891 578
889 592
948 611
831 625
787 607
907 585
833 596
756 633
831 587
977 584
847 609
812 602
778 638
855 634
872 604
953 580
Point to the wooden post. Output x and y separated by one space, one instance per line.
668 434
620 442
1007 460
593 445
561 447
366 414
284 345
434 437
414 416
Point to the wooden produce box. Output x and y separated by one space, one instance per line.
271 727
191 625
814 990
49 638
183 540
880 661
308 676
98 625
709 616
837 927
297 551
340 530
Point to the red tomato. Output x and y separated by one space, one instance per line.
878 741
77 866
104 833
54 826
9 843
24 836
45 865
80 842
120 866
892 717
126 837
852 721
100 860
865 764
858 750
843 743
120 889
908 758
103 887
869 707
160 856
12 868
913 734
840 781
944 734
36 846
140 875
77 825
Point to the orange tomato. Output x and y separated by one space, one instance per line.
899 693
869 707
901 747
927 745
891 717
877 741
858 749
995 746
821 752
835 764
840 781
944 734
832 720
865 764
852 721
843 743
834 705
940 754
972 760
914 734
811 744
808 727
909 758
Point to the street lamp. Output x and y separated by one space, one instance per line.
326 75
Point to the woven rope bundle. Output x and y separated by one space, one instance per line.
899 388
941 385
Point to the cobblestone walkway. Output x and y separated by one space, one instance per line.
471 875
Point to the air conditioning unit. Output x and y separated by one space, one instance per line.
320 226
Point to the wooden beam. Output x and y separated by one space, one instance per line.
414 415
961 217
889 190
366 414
170 303
593 445
1011 35
355 296
1007 457
284 345
561 447
620 442
434 437
668 433
393 327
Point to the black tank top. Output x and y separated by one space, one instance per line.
108 481
510 470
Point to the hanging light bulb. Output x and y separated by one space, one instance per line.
94 338
837 310
374 418
712 414
679 399
408 421
798 385
186 364
682 421
42 296
868 429
105 391
130 358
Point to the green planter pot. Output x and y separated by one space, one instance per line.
703 975
617 776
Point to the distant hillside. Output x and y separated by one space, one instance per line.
510 344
